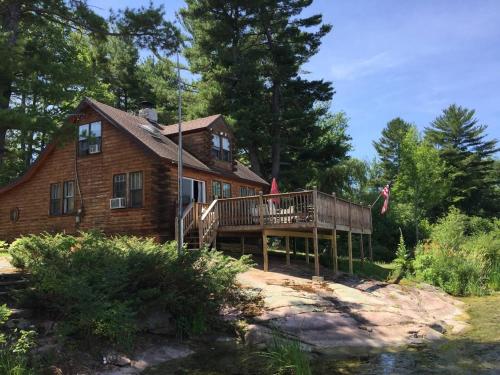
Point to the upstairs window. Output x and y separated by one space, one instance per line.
135 189
216 190
55 199
69 197
226 190
89 138
216 146
226 150
221 147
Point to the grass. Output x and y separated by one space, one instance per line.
374 270
285 356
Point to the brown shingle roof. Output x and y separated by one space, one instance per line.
162 145
199 123
156 142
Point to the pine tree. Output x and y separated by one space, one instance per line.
249 56
469 159
388 147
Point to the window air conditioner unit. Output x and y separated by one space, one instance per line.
94 149
117 203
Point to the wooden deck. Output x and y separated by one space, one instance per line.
308 214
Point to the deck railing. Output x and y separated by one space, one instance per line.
304 208
309 208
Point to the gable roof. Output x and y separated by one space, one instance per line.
192 125
158 143
163 146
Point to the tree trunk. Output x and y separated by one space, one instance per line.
10 24
253 154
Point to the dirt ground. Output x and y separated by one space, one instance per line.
348 311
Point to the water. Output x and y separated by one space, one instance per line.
476 351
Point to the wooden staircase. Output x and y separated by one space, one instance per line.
200 222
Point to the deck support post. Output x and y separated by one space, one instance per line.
370 236
361 248
316 253
264 251
349 241
315 231
294 247
349 247
287 247
335 259
370 247
242 245
306 244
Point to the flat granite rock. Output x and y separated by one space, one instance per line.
350 313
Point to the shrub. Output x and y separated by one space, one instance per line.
462 256
402 261
99 286
14 348
286 356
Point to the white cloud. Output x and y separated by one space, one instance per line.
357 68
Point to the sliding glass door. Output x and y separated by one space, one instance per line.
193 191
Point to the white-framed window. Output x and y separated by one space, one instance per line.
226 149
89 138
216 149
68 197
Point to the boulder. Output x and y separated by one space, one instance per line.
158 323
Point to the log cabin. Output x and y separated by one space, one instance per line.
117 172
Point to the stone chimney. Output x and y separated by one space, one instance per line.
148 112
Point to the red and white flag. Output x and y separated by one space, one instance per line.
386 192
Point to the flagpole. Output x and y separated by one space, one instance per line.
180 234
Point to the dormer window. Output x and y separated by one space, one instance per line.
89 138
226 150
221 147
216 146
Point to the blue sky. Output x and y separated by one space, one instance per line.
390 58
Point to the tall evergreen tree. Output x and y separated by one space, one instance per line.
389 147
22 20
469 159
249 56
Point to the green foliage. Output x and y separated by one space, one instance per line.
469 160
286 356
389 147
402 261
14 348
250 58
462 256
99 286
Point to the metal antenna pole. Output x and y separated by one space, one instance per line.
180 234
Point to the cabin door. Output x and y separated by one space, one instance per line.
193 191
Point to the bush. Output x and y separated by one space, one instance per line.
402 261
462 256
14 348
286 356
99 286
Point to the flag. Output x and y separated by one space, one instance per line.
386 192
275 190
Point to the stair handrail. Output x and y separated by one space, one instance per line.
209 222
189 217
